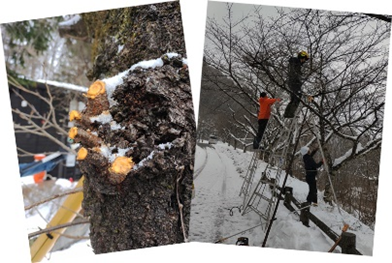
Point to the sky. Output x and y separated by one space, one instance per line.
218 10
14 242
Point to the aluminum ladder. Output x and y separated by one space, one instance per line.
263 197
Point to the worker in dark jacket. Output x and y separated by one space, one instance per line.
294 82
311 172
263 116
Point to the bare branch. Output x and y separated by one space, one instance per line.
73 191
50 229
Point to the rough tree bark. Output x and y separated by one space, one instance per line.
138 177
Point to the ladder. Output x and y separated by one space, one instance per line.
248 179
263 197
250 172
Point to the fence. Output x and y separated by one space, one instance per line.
347 240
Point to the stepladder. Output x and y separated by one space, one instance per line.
262 196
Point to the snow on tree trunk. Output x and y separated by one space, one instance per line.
137 132
152 126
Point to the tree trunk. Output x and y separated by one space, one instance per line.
138 166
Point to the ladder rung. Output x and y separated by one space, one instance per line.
262 197
276 162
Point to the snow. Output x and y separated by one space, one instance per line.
216 214
104 117
115 126
72 21
112 82
120 48
148 64
63 85
216 208
15 244
161 146
346 155
37 218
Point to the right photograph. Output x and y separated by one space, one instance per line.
290 126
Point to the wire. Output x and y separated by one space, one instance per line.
225 238
231 209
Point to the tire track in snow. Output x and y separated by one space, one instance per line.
220 215
208 219
203 165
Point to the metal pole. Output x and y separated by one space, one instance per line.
326 168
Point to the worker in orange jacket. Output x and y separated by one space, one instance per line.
263 116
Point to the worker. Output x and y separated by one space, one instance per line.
295 82
263 117
311 173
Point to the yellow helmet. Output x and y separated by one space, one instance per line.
303 54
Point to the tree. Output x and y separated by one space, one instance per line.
218 109
27 38
346 74
137 137
32 51
149 121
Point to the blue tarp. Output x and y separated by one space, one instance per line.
38 166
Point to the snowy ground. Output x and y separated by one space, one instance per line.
38 217
215 213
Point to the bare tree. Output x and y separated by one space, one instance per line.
52 123
33 50
346 75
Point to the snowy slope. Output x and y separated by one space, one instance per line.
215 213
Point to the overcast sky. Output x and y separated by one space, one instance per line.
219 9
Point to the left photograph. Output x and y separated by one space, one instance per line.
104 127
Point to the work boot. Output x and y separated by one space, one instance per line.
256 143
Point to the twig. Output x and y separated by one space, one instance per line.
76 190
73 237
180 206
49 229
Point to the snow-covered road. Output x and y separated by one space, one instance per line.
216 215
215 210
